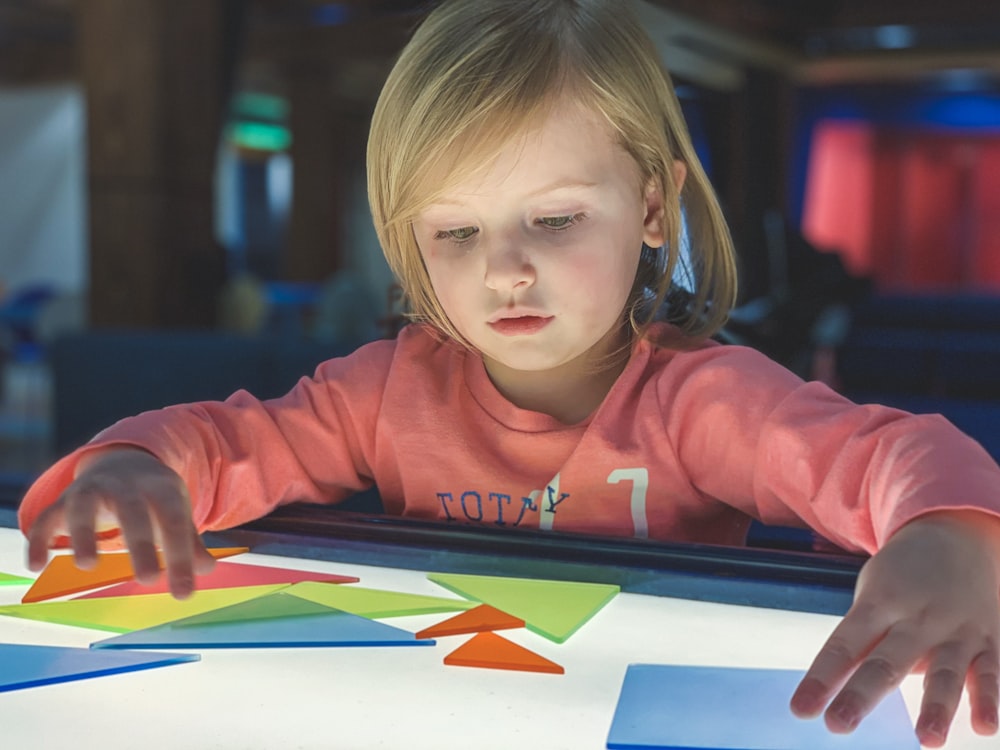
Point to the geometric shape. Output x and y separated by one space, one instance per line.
553 609
61 576
31 666
375 603
312 625
9 579
273 606
476 620
492 651
120 614
225 576
662 706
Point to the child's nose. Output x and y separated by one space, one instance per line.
508 266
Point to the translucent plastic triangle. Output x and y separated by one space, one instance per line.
376 603
31 666
290 622
476 620
9 579
666 706
554 609
121 614
493 651
223 576
61 577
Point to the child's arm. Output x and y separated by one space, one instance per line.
928 600
129 489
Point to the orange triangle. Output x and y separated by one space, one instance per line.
61 577
475 620
492 651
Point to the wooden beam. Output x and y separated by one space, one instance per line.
151 72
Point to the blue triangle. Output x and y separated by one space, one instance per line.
330 628
31 666
692 708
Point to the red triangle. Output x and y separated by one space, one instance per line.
475 620
492 651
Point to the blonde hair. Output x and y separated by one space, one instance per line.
477 73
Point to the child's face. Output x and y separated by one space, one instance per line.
533 259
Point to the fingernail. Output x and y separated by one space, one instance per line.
846 716
931 729
807 698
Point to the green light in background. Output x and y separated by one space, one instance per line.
256 106
259 136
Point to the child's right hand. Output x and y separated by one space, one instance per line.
129 489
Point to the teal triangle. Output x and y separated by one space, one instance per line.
268 607
313 626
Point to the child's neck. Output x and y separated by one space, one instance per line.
569 393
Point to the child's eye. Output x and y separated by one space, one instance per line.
558 223
461 234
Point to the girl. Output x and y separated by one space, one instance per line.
528 167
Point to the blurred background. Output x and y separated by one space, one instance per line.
182 203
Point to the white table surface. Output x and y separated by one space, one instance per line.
347 698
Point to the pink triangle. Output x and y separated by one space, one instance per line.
225 576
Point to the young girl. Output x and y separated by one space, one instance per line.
528 167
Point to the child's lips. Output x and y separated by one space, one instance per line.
521 325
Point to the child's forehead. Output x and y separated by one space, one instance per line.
567 131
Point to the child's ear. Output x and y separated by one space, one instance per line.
654 230
680 172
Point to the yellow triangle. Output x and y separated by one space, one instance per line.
120 614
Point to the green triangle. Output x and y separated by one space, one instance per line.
120 614
375 603
554 609
274 606
9 579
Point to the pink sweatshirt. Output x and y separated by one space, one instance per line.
688 445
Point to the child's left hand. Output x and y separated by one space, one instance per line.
929 601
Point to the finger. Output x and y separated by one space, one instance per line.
854 637
40 536
80 516
984 690
943 682
178 552
203 561
137 529
880 673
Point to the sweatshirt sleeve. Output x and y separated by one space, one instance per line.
754 435
243 457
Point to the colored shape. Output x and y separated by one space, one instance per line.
224 576
271 606
121 614
31 666
476 620
376 603
662 706
292 623
61 577
554 609
492 651
9 579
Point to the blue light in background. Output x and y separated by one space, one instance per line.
331 14
968 111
